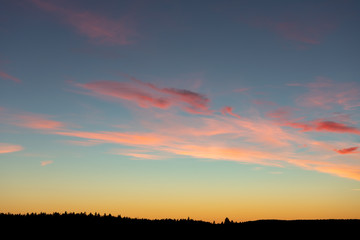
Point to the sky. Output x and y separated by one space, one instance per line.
174 109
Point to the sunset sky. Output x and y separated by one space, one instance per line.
172 109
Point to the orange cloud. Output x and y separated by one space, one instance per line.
346 171
96 27
228 153
138 153
9 148
44 163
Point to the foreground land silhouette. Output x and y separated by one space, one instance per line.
82 222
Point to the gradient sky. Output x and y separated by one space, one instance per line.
176 109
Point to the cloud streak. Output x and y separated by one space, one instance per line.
30 120
347 150
9 148
229 110
147 95
324 126
96 27
291 27
146 139
326 94
44 163
5 75
35 121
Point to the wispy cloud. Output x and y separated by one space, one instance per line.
36 122
7 76
97 27
138 154
229 110
277 138
226 138
30 120
147 139
9 148
147 95
326 94
292 27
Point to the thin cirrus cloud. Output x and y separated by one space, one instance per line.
292 27
98 28
9 148
309 33
326 94
35 121
277 139
245 140
147 139
7 76
147 95
30 120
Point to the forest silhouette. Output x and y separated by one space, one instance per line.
95 222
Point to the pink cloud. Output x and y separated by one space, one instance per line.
7 76
35 121
347 150
336 127
324 126
228 110
30 120
9 148
96 27
149 95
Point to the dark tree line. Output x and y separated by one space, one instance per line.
106 223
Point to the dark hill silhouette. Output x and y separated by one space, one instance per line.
104 224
